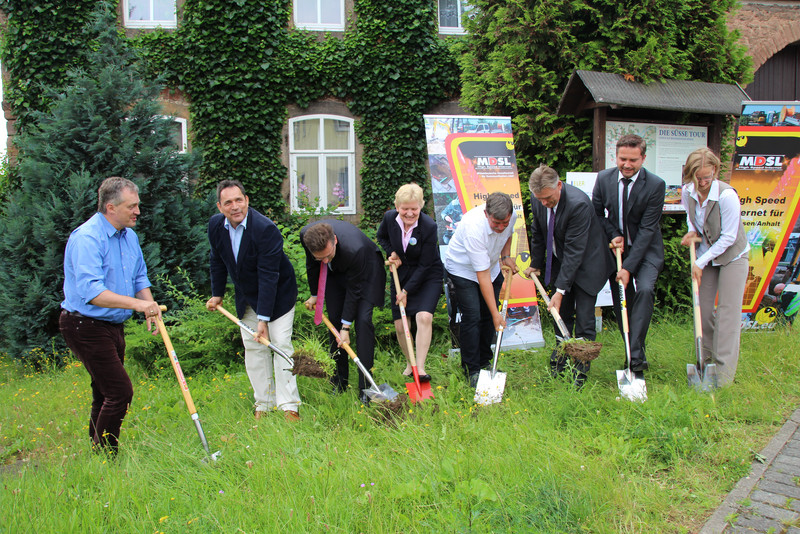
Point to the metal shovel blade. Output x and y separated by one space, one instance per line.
490 388
630 387
385 392
702 380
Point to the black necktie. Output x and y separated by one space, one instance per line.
627 182
550 226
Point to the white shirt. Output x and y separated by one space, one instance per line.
620 190
475 246
729 210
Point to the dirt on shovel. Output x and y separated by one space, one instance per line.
306 365
582 350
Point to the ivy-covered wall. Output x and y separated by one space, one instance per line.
241 64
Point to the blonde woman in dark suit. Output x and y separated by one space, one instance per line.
408 237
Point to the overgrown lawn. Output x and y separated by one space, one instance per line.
547 459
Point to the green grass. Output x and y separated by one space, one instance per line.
547 459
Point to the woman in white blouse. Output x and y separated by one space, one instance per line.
713 214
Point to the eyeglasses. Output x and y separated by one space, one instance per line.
705 178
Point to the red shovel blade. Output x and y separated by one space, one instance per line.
417 390
416 395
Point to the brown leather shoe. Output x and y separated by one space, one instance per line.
260 414
291 415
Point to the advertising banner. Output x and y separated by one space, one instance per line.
469 158
766 174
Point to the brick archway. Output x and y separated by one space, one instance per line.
766 27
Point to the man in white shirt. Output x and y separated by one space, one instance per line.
475 254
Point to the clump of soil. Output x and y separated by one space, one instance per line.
306 365
582 350
390 412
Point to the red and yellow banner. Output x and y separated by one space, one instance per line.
766 175
469 158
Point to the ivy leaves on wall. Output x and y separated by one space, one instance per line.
241 65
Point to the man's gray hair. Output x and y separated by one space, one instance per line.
543 178
499 205
110 191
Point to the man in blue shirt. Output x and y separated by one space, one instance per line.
105 281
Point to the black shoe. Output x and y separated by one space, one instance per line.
364 399
635 366
424 378
579 380
473 379
639 375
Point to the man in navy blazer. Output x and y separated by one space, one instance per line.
249 247
643 247
356 283
581 261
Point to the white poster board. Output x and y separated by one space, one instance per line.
585 182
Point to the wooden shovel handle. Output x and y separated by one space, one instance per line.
409 342
698 321
176 366
554 312
232 317
345 346
622 297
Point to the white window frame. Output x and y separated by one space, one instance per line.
184 134
463 7
320 26
322 154
173 23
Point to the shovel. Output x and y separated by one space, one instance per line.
187 397
491 383
417 390
593 348
260 339
700 376
630 387
384 392
556 316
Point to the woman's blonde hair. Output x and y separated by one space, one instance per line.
409 193
702 157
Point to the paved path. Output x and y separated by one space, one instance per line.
768 499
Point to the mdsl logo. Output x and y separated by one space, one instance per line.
759 163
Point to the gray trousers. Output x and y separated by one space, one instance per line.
722 326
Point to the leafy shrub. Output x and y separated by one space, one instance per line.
202 339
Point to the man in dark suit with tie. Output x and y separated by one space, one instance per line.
249 247
355 284
568 245
630 201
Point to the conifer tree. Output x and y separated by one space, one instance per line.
106 122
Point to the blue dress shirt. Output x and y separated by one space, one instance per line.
99 257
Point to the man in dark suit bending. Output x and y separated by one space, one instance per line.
579 261
355 284
630 201
249 247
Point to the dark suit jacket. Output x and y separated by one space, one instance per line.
263 276
358 260
421 261
645 206
581 255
